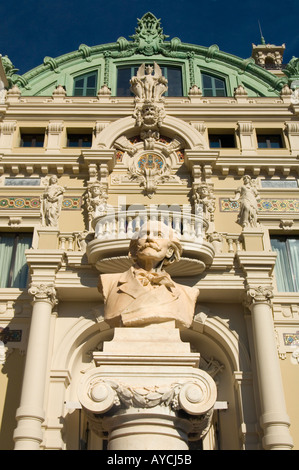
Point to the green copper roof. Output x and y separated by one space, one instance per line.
148 44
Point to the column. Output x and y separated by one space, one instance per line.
147 392
274 420
30 414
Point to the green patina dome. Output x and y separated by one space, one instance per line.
149 44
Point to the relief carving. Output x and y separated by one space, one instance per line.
248 197
51 202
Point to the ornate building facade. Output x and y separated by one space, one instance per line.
92 145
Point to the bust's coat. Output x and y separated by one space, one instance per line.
128 303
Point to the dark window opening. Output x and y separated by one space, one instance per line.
269 141
32 140
222 140
79 140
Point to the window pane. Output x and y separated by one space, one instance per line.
79 140
6 250
123 81
20 267
206 81
213 86
14 269
286 267
32 140
269 141
78 92
79 83
91 81
214 141
294 258
222 140
175 85
86 85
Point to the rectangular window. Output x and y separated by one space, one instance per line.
279 183
86 85
22 182
287 263
32 140
269 141
222 140
79 140
14 269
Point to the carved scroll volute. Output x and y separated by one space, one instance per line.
43 292
258 294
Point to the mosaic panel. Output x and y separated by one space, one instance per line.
13 202
291 339
264 205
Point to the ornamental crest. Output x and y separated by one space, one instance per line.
149 35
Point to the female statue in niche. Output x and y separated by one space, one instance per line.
247 195
51 202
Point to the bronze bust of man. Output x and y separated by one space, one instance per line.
146 294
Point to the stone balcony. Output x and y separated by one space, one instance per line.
108 251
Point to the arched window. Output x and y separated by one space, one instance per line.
213 86
86 85
172 73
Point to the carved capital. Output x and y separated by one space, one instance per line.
43 292
258 294
196 397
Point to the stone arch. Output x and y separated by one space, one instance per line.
171 126
212 337
209 335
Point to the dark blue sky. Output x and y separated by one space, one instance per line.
33 29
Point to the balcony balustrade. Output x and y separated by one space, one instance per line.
114 230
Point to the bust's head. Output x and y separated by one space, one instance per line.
155 242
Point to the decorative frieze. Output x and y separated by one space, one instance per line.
263 205
32 202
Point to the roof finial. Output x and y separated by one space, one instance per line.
262 38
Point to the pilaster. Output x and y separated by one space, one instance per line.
30 415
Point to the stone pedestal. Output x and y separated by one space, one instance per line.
146 391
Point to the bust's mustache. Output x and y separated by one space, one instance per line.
153 245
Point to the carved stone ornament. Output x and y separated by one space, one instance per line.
150 169
51 202
148 88
149 35
204 200
43 292
259 294
248 196
149 84
96 200
103 397
193 396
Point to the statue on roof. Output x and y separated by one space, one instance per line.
147 86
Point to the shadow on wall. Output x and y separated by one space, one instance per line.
11 376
